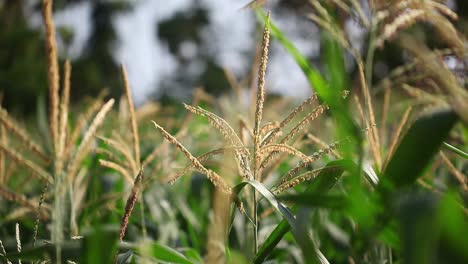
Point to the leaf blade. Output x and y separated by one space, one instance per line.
322 183
417 147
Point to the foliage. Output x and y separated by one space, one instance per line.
23 65
390 187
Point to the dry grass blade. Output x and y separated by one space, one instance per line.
111 156
10 125
242 153
360 111
385 110
396 136
440 74
77 192
217 231
235 85
357 5
424 96
131 107
82 121
53 70
18 214
321 10
375 142
244 128
462 179
34 168
130 204
122 149
448 34
116 167
223 127
342 5
84 146
211 175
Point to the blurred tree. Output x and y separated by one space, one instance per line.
96 69
23 64
180 31
462 10
22 54
22 59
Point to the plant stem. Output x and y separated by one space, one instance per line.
142 216
57 218
456 150
370 54
255 222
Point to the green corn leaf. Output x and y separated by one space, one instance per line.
162 253
316 200
70 250
418 147
322 183
125 257
100 246
282 209
312 254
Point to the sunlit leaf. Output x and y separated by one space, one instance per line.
163 253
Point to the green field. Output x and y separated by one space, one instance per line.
366 170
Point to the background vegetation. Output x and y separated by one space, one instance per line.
369 169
